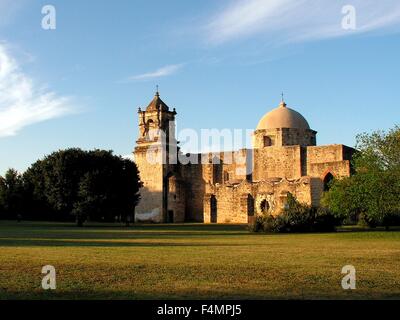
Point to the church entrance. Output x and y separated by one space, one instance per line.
170 216
213 207
250 208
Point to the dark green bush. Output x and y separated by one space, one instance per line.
270 224
295 218
256 224
367 221
391 219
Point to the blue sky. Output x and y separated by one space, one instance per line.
222 64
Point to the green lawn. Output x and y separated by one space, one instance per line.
194 261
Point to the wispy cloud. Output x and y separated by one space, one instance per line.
298 20
159 73
22 101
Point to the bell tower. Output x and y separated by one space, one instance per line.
155 155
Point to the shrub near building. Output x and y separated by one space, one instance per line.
297 217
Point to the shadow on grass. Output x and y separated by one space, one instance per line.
121 227
71 243
98 235
366 229
36 230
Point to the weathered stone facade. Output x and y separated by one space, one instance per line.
215 189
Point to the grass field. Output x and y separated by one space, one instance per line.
194 262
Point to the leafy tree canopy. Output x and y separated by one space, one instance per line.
88 184
11 194
372 193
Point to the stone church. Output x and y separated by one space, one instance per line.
214 189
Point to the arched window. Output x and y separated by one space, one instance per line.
327 181
267 141
148 126
226 176
150 123
264 206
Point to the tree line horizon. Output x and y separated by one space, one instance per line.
72 185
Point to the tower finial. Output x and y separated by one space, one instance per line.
157 92
283 103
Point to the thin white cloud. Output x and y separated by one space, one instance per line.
159 73
299 20
22 102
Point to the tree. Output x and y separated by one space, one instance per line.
93 185
11 194
108 193
379 151
53 182
372 193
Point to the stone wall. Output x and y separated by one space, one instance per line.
176 204
235 165
196 176
232 204
211 169
277 170
284 137
324 160
335 159
328 153
271 162
150 204
302 137
338 169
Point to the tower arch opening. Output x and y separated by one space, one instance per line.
328 181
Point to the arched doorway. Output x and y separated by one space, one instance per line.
328 180
169 198
213 209
250 208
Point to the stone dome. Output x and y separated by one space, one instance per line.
283 117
